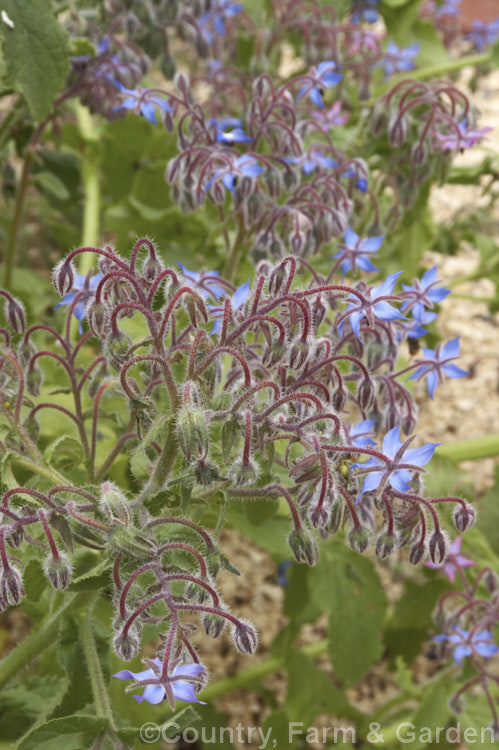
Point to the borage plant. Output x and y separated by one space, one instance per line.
273 390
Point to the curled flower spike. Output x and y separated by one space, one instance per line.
85 287
468 643
397 468
453 561
183 690
354 251
437 363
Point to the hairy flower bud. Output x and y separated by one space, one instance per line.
11 586
419 153
299 353
213 624
63 277
464 517
438 547
14 536
117 347
365 394
319 516
14 312
98 318
303 546
34 380
126 646
385 544
339 399
192 432
115 505
358 538
417 553
131 542
245 638
244 474
58 571
491 581
397 131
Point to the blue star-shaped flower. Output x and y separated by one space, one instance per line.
437 363
324 77
375 306
214 19
423 293
480 642
354 252
483 34
238 299
201 282
360 434
312 160
87 285
230 130
142 102
395 469
245 166
399 60
414 327
365 10
183 690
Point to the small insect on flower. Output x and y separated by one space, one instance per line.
183 690
468 643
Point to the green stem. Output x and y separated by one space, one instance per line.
41 469
38 640
471 450
16 220
257 672
91 186
232 261
99 689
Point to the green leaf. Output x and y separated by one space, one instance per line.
91 572
433 712
64 452
347 584
488 518
49 183
70 733
36 53
31 701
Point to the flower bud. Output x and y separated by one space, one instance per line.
126 646
58 571
244 475
213 624
417 553
114 503
397 131
358 538
491 581
274 353
192 432
419 153
26 351
438 547
319 516
319 311
14 536
379 118
391 416
63 277
14 312
303 547
229 436
464 517
34 381
11 586
336 517
98 318
245 638
385 544
365 394
117 347
278 278
298 354
131 543
339 399
206 473
181 81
